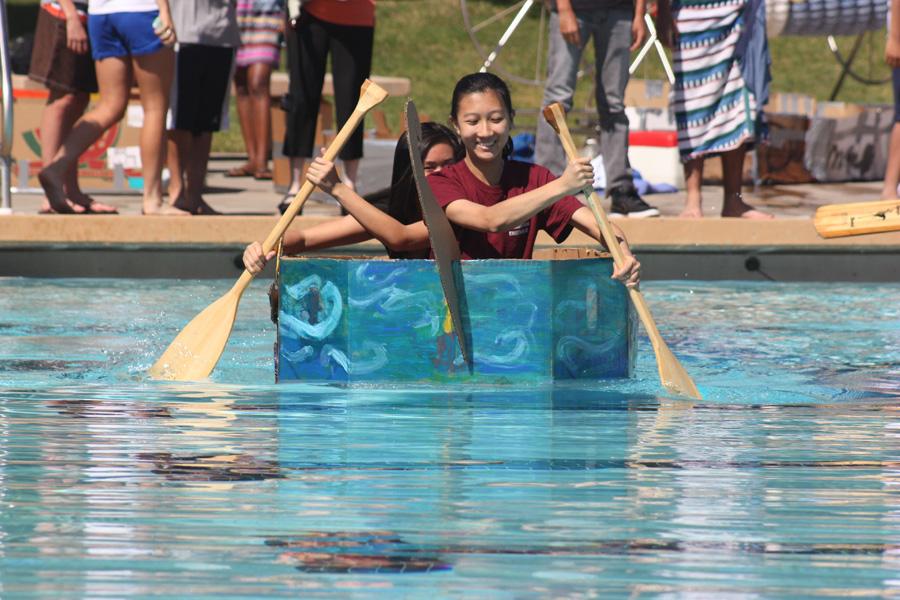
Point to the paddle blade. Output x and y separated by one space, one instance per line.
194 353
672 375
857 218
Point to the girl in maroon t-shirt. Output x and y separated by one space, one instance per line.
497 205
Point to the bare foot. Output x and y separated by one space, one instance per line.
52 183
745 211
691 213
82 203
164 210
757 215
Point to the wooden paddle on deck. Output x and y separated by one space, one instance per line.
196 350
857 218
671 374
440 233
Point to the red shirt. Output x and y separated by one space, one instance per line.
457 182
358 13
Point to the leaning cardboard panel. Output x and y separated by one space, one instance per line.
853 148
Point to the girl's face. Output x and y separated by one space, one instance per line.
483 124
438 156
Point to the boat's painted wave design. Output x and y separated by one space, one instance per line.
380 321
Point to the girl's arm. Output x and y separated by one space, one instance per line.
892 49
638 27
629 272
380 225
76 36
166 29
338 232
514 211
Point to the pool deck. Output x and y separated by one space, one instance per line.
129 244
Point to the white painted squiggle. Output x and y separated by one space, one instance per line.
570 348
519 341
301 355
360 367
295 328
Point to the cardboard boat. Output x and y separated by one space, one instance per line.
356 321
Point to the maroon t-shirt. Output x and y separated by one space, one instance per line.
457 182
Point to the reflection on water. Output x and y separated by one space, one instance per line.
112 486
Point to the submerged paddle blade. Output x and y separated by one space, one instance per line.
857 218
672 375
194 353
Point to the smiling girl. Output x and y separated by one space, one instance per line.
498 205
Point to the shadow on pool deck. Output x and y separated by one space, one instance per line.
129 244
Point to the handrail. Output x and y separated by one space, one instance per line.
6 130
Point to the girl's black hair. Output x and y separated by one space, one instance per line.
474 83
401 200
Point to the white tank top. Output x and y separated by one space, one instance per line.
106 7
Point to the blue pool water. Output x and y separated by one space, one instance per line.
783 482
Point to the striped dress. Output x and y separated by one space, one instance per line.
260 22
714 108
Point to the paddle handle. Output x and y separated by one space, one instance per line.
370 96
555 112
307 188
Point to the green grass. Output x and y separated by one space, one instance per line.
425 40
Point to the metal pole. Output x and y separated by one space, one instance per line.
6 131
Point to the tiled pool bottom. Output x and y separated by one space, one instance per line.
784 481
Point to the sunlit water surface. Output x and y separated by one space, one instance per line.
783 481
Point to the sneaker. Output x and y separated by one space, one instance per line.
628 203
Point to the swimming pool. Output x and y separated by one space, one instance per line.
784 481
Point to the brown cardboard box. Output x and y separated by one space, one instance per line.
647 93
781 157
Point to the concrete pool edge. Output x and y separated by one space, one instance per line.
210 247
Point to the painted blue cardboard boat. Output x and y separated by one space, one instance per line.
528 322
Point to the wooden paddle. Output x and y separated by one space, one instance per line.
443 240
671 374
857 218
196 350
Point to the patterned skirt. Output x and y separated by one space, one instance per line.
260 22
715 110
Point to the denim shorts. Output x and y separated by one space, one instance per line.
123 34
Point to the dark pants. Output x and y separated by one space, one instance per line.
308 47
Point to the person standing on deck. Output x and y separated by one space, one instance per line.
617 27
208 35
721 62
130 39
346 31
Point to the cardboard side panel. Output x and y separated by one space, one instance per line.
398 329
591 333
313 321
509 301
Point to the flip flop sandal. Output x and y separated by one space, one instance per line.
263 175
205 209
